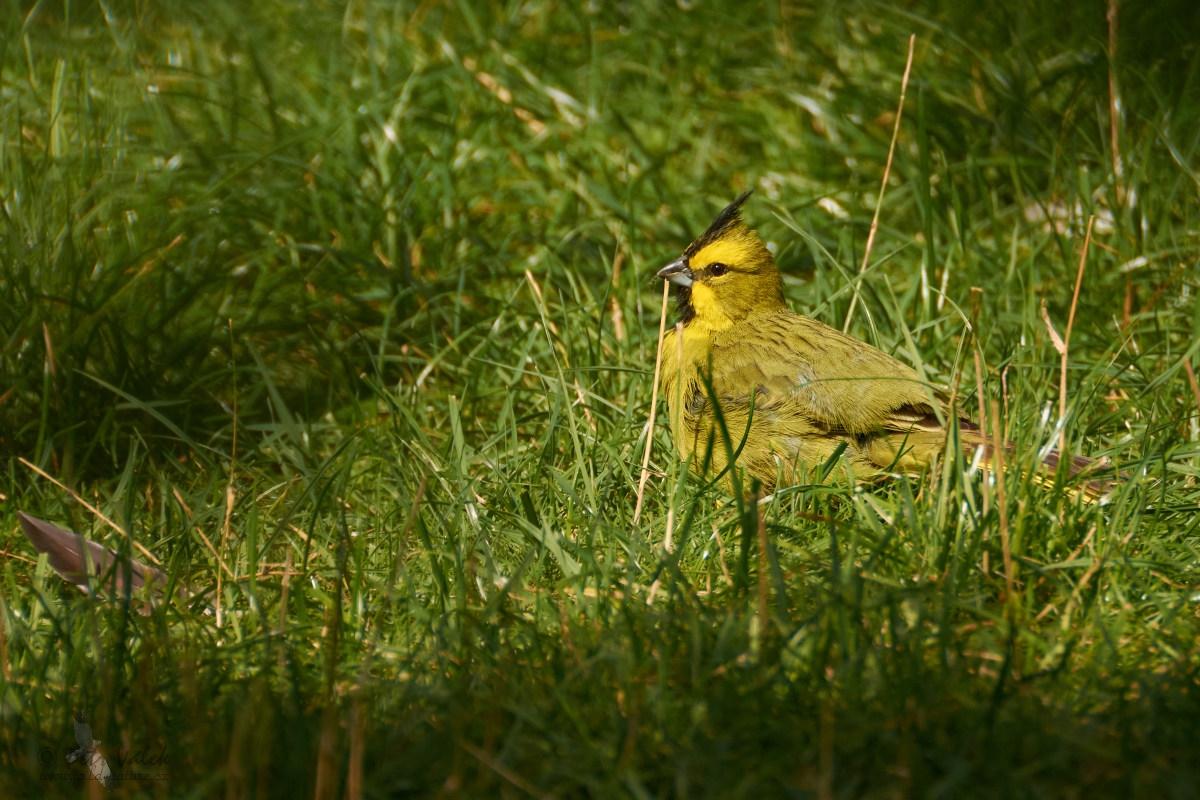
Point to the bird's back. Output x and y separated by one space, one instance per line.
795 389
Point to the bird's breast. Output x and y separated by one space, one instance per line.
683 358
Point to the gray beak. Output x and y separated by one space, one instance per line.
677 272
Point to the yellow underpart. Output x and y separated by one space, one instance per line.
709 315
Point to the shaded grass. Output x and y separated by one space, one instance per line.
354 271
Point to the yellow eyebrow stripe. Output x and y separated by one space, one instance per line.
732 252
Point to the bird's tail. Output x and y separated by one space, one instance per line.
912 451
1083 471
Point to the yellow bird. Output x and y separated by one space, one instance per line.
783 392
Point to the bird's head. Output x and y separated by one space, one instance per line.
726 275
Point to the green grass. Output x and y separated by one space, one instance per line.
352 268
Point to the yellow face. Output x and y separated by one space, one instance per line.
733 251
717 278
726 278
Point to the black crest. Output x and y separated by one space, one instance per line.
731 215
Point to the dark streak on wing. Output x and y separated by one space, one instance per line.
1075 465
911 417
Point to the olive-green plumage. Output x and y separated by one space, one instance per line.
789 389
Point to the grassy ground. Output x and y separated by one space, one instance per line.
346 312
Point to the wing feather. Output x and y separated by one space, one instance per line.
817 371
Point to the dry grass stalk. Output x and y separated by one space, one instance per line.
1062 384
95 511
998 468
887 172
1187 367
618 316
1114 103
662 329
987 492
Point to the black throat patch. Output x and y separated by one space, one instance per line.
683 304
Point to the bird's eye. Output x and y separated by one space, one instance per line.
717 270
